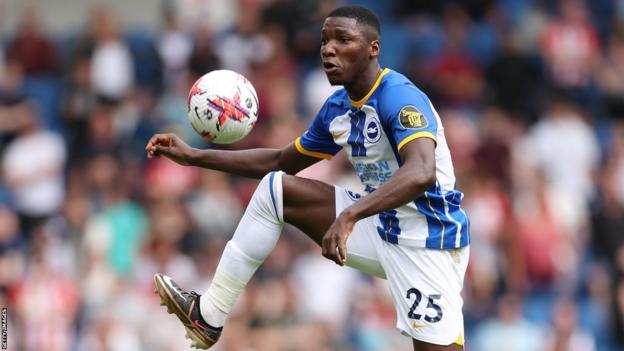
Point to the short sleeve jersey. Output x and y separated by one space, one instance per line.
372 131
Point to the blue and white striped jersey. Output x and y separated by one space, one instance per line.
372 131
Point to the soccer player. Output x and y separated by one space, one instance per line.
407 228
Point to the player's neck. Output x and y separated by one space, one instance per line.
360 87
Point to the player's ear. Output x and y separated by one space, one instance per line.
373 49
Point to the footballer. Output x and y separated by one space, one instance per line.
408 225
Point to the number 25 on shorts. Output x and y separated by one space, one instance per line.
431 305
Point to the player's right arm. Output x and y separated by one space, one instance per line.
314 145
252 163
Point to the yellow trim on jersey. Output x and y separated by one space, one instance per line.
416 136
302 150
460 339
361 102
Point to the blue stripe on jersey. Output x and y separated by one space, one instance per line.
443 228
356 137
271 191
452 226
390 237
453 201
435 225
389 229
465 239
460 215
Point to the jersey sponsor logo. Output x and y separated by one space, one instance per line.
411 118
373 173
372 131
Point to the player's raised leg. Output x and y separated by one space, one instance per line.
307 204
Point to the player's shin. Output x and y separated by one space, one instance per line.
254 239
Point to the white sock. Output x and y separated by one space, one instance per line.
254 239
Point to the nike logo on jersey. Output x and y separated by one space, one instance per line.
337 135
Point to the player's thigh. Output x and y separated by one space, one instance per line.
364 244
426 289
309 205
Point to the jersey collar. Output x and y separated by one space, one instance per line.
361 102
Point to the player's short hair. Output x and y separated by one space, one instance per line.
359 13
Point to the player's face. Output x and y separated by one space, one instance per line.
345 50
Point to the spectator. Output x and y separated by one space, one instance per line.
12 248
609 73
203 57
174 48
570 46
244 44
33 171
2 61
101 136
14 108
218 14
115 233
514 79
30 45
373 318
112 68
508 329
77 103
46 301
607 221
214 196
563 146
495 242
547 245
323 303
456 77
567 334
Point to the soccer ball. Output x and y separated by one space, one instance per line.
222 106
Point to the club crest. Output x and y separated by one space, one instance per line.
372 130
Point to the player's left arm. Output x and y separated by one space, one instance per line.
417 173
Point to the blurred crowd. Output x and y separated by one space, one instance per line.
531 94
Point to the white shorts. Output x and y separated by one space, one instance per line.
425 283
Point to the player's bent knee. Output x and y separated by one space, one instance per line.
268 200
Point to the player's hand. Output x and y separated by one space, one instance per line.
170 146
334 243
